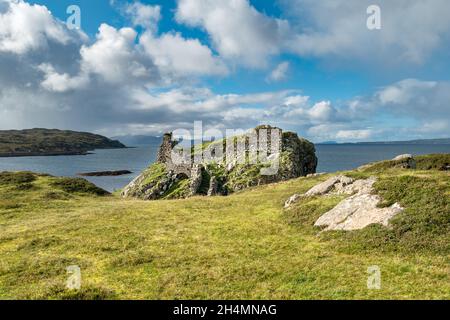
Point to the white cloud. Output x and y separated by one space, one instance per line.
238 31
115 57
422 100
174 54
118 81
279 73
25 27
61 82
349 135
410 32
146 16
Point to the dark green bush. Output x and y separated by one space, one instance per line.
12 178
78 185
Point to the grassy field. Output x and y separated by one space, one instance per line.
239 247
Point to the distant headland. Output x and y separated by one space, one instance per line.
52 142
418 141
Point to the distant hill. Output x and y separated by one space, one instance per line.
420 141
46 142
131 140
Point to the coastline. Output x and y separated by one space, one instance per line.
56 154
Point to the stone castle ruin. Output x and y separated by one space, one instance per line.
263 155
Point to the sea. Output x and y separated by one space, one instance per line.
332 158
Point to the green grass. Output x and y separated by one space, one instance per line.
244 246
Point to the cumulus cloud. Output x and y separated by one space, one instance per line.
26 27
61 82
114 56
238 31
410 32
124 81
178 56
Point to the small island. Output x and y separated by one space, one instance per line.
52 142
105 173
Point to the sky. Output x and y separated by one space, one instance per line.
149 67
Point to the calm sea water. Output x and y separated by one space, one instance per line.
331 158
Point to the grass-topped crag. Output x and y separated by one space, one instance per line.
52 142
260 156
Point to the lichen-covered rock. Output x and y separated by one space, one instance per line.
357 211
221 172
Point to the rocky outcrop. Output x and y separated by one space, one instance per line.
221 172
357 211
405 161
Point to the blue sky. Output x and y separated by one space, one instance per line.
306 66
318 80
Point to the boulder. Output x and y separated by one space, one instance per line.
406 161
357 211
403 157
328 185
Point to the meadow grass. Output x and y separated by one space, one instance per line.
244 246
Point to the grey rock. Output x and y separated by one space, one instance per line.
328 185
196 178
292 200
407 161
357 212
213 186
403 157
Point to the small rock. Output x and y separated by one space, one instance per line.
328 185
403 157
293 199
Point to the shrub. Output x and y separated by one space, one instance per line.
78 185
433 162
12 178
